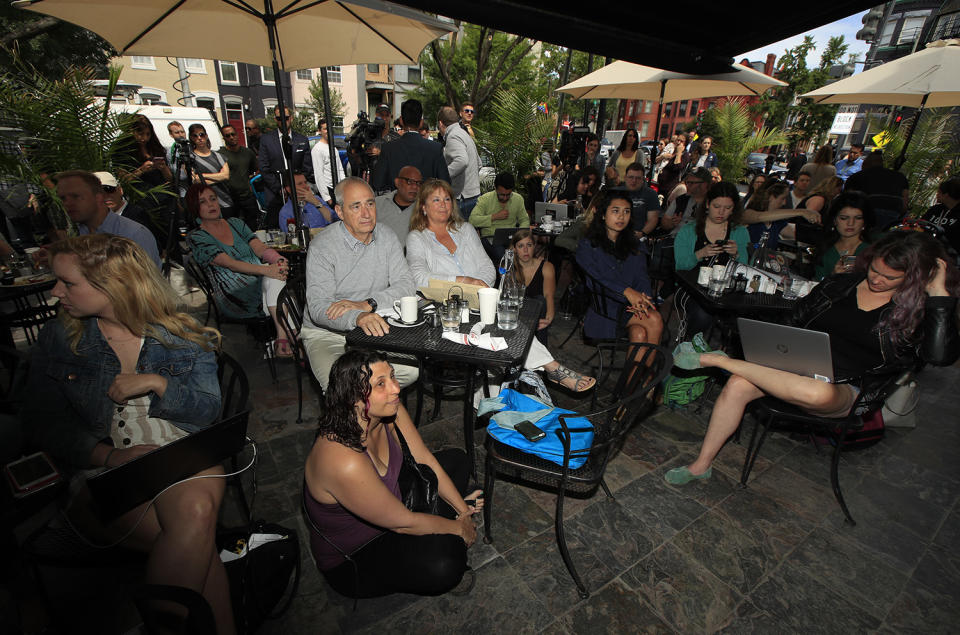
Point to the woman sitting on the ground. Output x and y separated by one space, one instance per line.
612 255
246 275
896 308
434 252
538 275
353 496
117 374
850 221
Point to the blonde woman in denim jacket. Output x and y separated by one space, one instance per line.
119 373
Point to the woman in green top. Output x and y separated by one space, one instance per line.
850 221
716 234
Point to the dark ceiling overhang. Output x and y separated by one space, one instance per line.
688 37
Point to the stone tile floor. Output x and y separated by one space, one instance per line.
706 557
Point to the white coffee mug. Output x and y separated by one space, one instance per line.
488 305
406 308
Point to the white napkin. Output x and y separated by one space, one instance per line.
476 338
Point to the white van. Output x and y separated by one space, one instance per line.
160 116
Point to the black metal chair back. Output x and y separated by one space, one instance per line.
234 386
290 309
200 277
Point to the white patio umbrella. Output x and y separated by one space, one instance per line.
300 34
624 80
926 79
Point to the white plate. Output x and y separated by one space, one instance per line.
392 321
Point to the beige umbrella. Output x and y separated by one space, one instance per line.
926 79
312 32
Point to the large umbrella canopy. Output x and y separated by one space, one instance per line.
930 77
623 80
309 33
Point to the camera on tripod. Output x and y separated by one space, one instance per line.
572 146
364 132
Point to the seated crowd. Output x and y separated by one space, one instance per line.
131 373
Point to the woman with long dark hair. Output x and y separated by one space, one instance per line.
820 197
369 544
146 155
538 275
896 308
849 221
625 154
821 167
209 168
612 254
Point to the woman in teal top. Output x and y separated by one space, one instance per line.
850 220
717 220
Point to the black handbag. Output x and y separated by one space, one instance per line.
417 482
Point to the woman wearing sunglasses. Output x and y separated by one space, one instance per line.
208 167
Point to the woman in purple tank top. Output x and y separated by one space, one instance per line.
369 544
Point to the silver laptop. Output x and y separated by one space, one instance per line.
557 210
788 348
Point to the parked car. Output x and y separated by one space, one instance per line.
757 164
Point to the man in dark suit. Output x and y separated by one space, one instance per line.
275 154
410 149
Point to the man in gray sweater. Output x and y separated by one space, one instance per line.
355 272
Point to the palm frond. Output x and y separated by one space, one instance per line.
737 137
514 134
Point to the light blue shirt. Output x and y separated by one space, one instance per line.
121 226
845 168
310 214
429 258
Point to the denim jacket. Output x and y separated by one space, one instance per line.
66 408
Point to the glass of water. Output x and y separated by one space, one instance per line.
508 313
450 316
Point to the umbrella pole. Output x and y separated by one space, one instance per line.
563 82
913 126
328 118
656 129
270 20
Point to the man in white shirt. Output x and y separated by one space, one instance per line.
323 175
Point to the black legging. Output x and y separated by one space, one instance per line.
400 563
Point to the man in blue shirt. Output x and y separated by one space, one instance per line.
316 213
83 200
852 164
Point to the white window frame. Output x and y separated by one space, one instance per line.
334 75
263 76
236 72
419 69
268 106
162 94
200 69
143 64
308 78
644 127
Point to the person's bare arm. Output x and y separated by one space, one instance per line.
271 271
653 217
549 289
751 216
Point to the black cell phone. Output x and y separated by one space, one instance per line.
720 242
529 431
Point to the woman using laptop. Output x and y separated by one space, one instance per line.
897 307
364 540
118 374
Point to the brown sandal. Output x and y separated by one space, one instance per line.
570 379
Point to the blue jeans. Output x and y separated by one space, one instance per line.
466 206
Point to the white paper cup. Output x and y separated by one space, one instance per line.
262 235
719 271
703 277
406 308
488 305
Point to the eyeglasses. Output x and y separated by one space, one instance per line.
280 119
249 129
229 134
410 181
109 189
199 135
469 110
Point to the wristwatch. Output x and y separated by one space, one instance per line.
373 305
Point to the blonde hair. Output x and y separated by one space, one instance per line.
141 298
419 221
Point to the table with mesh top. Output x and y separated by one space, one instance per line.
426 344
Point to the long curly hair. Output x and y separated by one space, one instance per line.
349 385
141 298
915 254
719 190
627 242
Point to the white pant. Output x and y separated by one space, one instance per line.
538 356
325 347
270 289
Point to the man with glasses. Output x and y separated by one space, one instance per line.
467 111
463 160
243 165
410 149
179 135
394 208
320 156
355 272
646 203
253 135
277 154
119 205
680 211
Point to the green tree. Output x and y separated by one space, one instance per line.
551 65
473 68
49 45
736 136
338 107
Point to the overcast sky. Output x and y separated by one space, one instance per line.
847 27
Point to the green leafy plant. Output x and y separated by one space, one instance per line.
932 155
736 136
514 133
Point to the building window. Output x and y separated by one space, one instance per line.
373 68
228 73
677 129
206 102
150 99
668 109
305 74
912 26
683 109
333 75
194 65
664 130
887 33
144 62
648 106
695 107
337 124
414 74
644 127
266 74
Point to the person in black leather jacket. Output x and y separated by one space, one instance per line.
897 308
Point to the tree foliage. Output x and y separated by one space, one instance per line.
804 120
49 45
736 136
473 67
514 132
